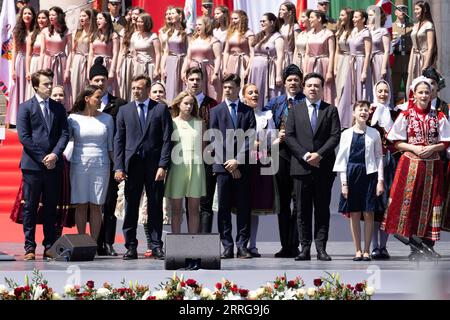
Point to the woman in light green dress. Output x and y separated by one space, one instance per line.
186 177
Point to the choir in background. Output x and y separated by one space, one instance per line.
113 117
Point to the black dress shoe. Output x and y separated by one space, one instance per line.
283 253
158 253
357 258
294 252
305 255
101 251
131 254
376 254
109 250
322 255
254 252
243 253
227 253
384 254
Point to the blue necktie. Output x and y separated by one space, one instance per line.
46 114
233 114
314 118
142 116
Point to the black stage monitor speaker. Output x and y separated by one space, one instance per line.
74 247
192 251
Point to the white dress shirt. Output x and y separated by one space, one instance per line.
146 102
104 103
200 97
310 112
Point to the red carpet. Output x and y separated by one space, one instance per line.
10 177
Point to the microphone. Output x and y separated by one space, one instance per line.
428 250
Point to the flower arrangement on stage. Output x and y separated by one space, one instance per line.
177 288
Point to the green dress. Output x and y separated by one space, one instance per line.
187 173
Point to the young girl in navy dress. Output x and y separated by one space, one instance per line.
360 164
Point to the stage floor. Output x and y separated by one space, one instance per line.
393 279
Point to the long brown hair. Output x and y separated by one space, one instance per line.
348 26
108 33
242 27
225 17
262 37
208 27
37 31
61 20
292 20
182 30
92 25
425 15
20 30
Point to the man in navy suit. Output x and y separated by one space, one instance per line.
142 148
43 131
231 165
281 107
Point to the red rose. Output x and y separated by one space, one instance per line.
234 289
191 282
18 291
151 298
359 287
275 286
27 288
318 282
218 286
349 287
291 284
243 292
182 284
90 284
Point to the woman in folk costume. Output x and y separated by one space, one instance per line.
289 29
26 22
423 36
174 54
125 64
342 68
267 65
320 51
80 51
34 50
381 118
416 198
301 39
238 53
381 45
105 43
205 52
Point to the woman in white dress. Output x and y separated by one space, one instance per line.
92 134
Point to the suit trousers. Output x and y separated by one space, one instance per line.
206 202
313 194
140 175
287 218
230 189
40 186
108 231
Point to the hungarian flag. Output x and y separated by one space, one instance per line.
7 23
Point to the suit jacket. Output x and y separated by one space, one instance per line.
154 142
442 106
118 26
278 106
114 103
300 138
205 109
221 120
37 140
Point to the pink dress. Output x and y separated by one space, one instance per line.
202 55
126 70
343 79
55 58
360 90
18 88
263 70
221 35
238 54
377 57
286 31
80 73
318 60
300 49
174 62
144 54
105 50
34 65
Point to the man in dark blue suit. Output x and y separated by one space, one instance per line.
142 148
281 107
231 119
43 131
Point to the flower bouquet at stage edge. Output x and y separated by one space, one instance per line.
38 289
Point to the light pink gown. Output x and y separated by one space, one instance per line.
80 71
318 60
174 62
202 55
239 54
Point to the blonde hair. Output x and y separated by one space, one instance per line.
177 101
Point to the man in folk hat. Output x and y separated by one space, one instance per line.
98 75
402 45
